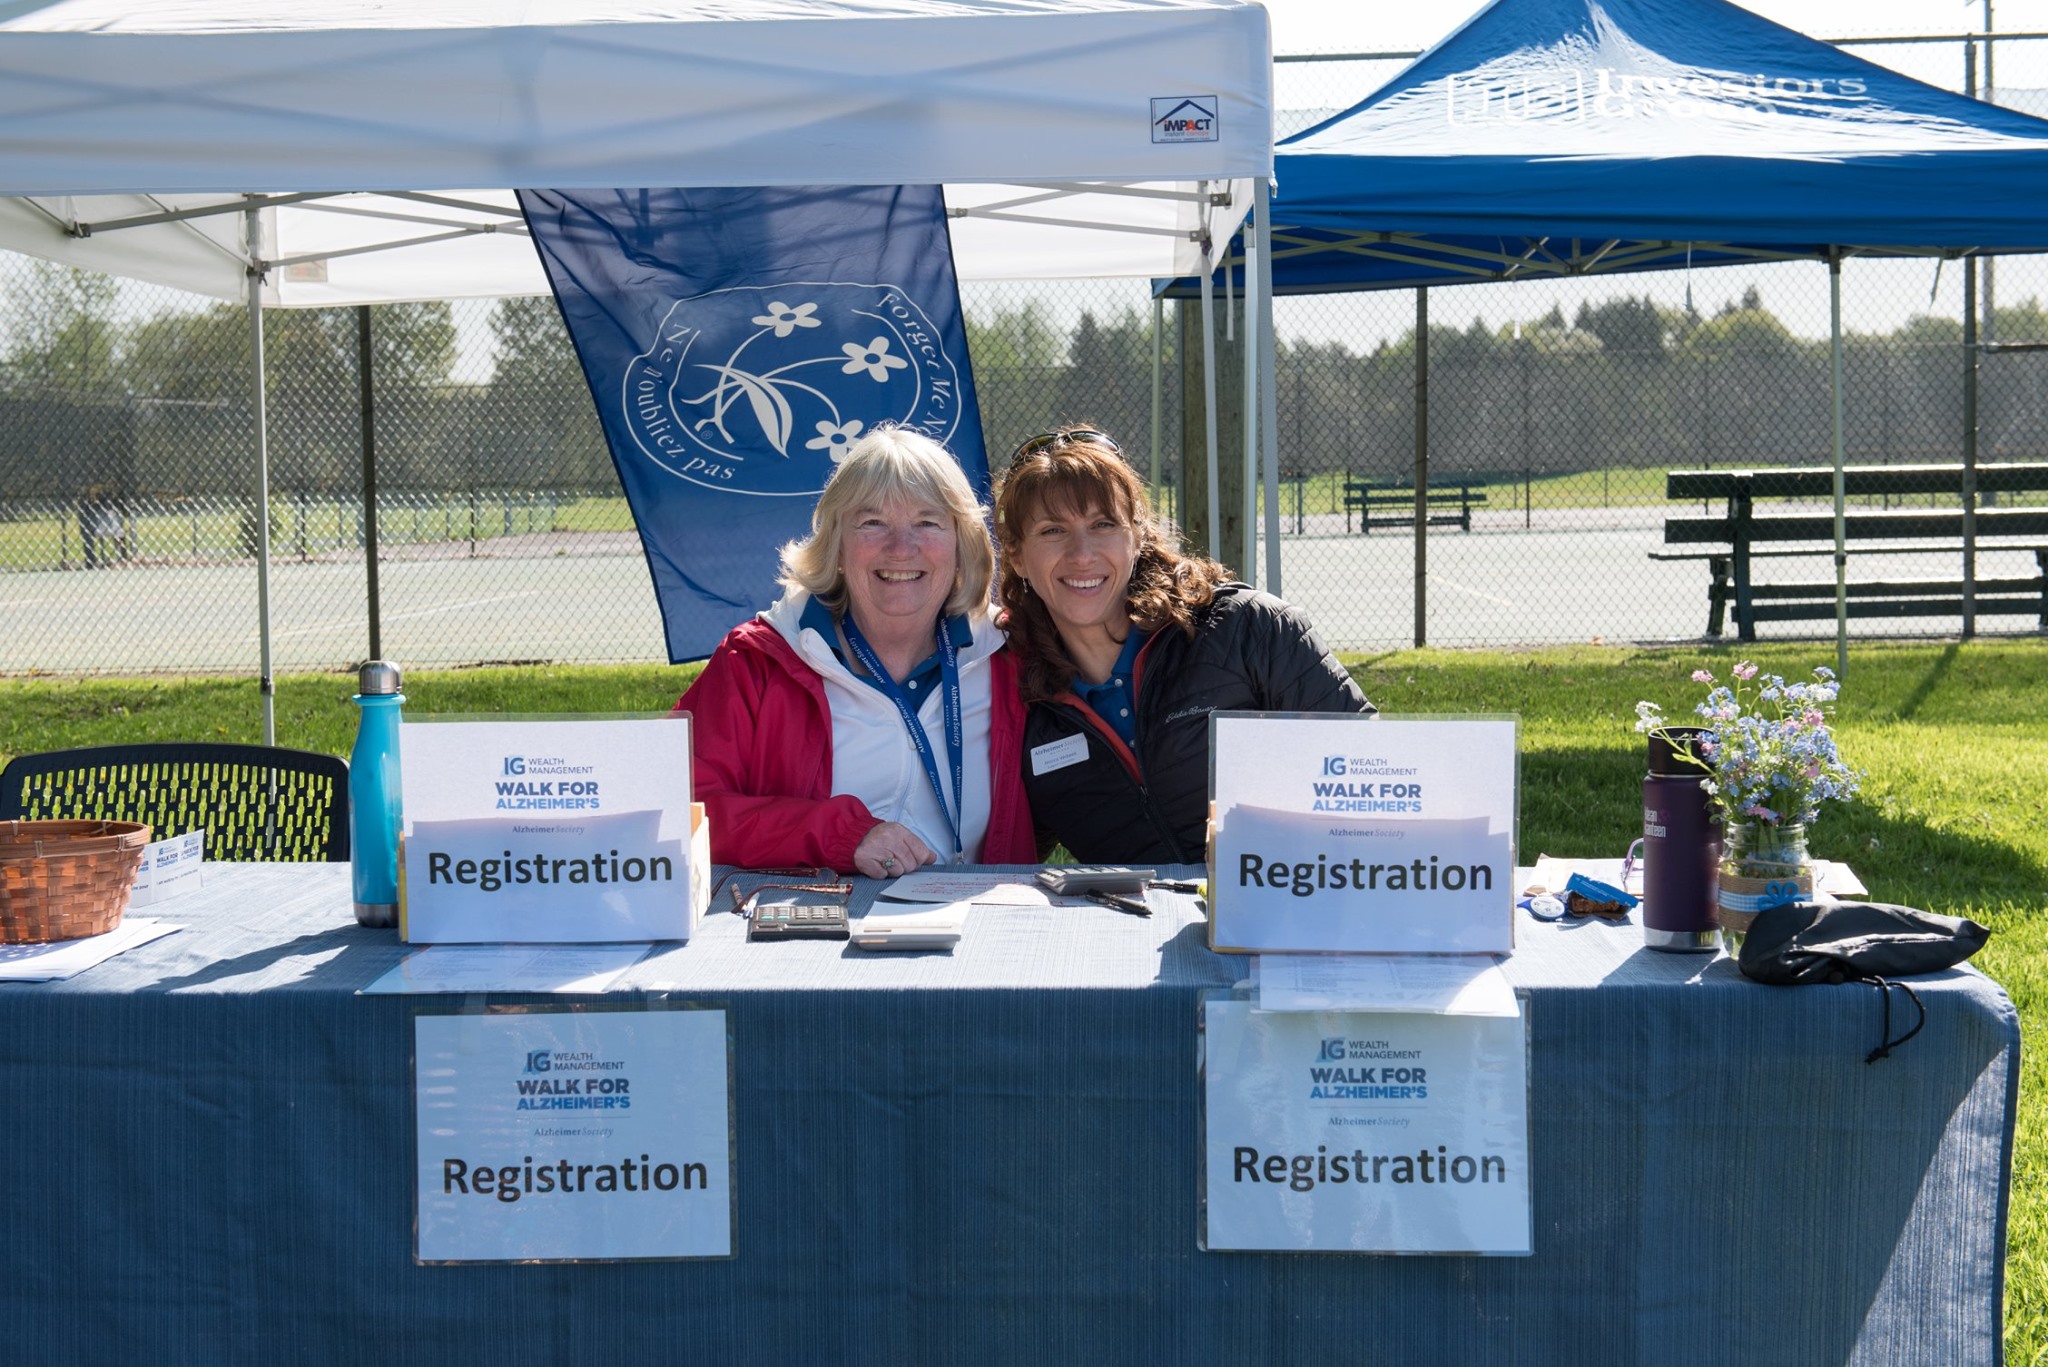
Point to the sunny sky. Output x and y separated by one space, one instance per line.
1382 25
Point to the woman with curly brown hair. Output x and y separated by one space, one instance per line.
1125 646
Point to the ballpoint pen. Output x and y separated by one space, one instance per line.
1134 906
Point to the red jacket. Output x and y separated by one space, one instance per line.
762 740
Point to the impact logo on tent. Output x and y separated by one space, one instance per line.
764 390
1185 118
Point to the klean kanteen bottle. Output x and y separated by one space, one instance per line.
1681 847
374 811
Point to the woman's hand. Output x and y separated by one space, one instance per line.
891 850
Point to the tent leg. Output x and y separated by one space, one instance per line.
1248 509
1841 538
1215 547
1266 381
1970 354
1158 362
366 382
1421 466
254 222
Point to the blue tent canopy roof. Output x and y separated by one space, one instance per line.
1550 138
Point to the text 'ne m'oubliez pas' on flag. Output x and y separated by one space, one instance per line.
738 342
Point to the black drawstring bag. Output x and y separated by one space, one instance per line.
1873 942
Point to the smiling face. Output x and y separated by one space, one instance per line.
900 558
1078 562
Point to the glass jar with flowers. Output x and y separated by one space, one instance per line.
1769 753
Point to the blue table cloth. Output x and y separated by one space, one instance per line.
990 1156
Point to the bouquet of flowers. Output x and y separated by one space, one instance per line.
1767 747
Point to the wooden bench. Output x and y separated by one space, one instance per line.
1740 535
1450 504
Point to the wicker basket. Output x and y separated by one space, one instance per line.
60 880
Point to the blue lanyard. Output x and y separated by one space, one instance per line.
949 675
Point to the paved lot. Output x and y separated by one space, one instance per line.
1573 576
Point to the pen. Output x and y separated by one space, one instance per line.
1135 906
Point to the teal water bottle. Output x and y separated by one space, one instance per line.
374 810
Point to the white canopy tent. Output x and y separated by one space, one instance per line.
301 155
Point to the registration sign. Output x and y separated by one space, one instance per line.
1364 1132
549 830
1361 834
557 1134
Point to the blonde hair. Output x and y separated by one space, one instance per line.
894 463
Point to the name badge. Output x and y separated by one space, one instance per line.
1058 754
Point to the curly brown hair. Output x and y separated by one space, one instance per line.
1071 471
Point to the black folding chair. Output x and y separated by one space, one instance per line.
255 802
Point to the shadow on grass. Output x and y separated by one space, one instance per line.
1938 671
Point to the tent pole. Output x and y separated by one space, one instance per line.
1971 351
1269 376
1158 362
1841 538
1214 538
366 384
254 222
1250 509
1421 466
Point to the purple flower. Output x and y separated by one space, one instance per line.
1768 753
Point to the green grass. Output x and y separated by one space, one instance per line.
1953 741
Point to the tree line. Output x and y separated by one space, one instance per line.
95 402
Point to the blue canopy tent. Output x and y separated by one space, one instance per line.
1552 138
1565 137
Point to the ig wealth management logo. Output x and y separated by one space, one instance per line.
763 390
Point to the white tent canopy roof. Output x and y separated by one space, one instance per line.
117 112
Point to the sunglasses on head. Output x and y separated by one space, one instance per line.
1049 441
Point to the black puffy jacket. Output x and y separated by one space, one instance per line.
1251 653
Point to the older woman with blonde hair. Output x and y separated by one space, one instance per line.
869 720
1125 646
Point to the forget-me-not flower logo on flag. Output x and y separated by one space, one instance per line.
786 320
874 358
738 380
835 439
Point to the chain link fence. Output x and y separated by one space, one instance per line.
128 520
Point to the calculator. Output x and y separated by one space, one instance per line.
1080 879
779 915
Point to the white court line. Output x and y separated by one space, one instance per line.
1471 592
457 607
353 624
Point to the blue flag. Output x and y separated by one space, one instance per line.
738 342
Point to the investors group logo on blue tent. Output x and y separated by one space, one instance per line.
763 390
